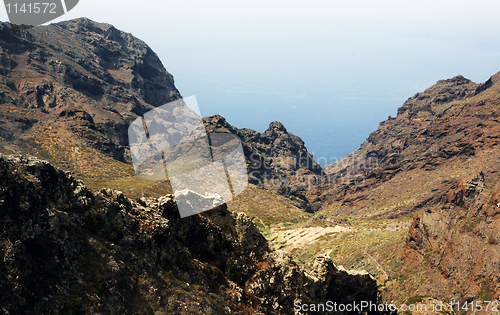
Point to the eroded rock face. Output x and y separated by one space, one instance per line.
66 249
453 123
273 152
88 80
276 160
458 241
77 85
283 281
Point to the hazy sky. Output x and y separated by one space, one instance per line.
329 70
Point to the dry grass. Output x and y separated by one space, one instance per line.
364 244
266 207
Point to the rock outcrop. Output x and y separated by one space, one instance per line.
450 128
68 250
69 91
82 80
457 243
276 160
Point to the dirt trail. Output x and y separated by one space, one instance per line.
295 238
375 262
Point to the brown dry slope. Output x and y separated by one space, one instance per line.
422 162
448 132
68 92
451 250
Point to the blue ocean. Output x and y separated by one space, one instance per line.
330 125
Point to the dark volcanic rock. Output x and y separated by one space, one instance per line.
68 250
276 160
275 151
77 85
79 66
433 100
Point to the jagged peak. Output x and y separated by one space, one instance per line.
458 79
131 246
276 125
217 119
443 91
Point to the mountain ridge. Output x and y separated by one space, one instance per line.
74 249
90 76
67 249
418 170
70 91
444 124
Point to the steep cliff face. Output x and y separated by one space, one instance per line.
273 152
450 130
78 80
69 91
276 160
457 242
424 162
68 250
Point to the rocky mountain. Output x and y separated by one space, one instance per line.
77 83
454 244
67 250
417 201
438 162
448 132
69 91
445 133
276 160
